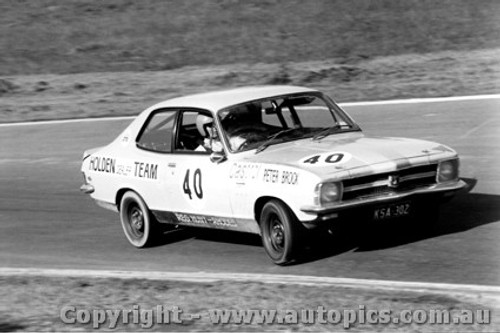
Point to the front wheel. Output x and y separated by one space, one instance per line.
136 220
280 231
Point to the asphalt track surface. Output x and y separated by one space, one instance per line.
45 222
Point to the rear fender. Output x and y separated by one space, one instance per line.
88 152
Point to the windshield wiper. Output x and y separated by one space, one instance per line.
271 138
328 130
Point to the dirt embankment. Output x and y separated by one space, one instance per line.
448 73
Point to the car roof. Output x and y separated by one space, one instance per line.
217 100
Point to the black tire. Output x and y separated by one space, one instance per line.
280 232
137 223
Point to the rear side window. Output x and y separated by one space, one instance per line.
156 135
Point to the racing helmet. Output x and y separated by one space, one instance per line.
202 124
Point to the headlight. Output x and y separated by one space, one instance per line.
447 171
328 193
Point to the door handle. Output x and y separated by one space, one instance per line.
172 165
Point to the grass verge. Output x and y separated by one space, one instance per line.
75 36
35 303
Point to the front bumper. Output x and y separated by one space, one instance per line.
445 189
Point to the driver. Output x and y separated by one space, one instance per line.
204 124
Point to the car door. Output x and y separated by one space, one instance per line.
200 186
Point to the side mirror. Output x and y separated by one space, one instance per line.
217 157
213 133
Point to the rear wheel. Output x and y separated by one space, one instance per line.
137 223
280 231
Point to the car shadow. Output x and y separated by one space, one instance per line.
227 236
464 212
171 235
214 235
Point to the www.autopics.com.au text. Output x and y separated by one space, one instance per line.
165 315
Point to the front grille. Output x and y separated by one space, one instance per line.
389 182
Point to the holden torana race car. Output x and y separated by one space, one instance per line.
269 160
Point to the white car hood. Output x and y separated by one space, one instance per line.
360 154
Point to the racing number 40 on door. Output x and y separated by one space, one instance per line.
196 184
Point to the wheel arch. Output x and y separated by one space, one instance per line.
121 192
261 201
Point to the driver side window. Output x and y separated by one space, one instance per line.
193 134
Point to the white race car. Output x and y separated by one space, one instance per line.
269 160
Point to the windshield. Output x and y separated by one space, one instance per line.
258 124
